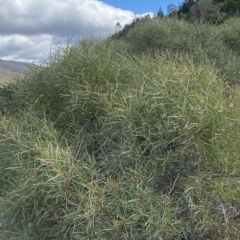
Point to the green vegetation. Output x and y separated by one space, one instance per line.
207 11
132 137
221 45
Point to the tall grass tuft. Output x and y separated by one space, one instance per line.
104 144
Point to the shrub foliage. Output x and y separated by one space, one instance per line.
126 139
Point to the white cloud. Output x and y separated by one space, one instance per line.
28 28
25 48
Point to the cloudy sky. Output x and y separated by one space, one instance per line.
30 28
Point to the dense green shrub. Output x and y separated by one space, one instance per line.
230 33
102 143
217 43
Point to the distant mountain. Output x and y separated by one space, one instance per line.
14 66
9 68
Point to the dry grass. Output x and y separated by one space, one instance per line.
6 76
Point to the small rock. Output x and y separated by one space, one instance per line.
225 211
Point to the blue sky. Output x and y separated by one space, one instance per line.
143 6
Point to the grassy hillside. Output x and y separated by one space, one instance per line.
9 69
14 66
6 76
220 45
132 137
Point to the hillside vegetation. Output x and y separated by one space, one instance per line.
206 11
6 76
132 137
9 70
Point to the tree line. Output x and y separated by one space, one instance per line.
204 11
